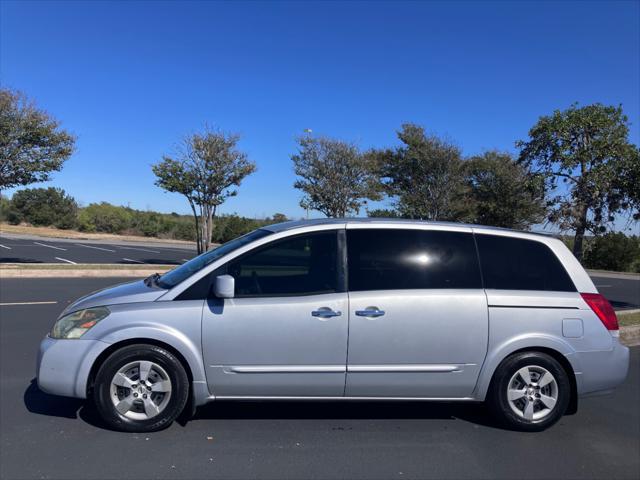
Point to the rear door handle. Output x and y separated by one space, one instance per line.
325 312
370 312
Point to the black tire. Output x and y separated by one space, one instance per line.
102 388
498 401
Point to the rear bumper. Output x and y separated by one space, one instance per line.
602 371
63 365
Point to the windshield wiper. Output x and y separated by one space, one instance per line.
152 280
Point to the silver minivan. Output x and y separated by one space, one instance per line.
348 309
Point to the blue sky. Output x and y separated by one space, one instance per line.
130 79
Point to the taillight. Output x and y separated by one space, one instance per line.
603 309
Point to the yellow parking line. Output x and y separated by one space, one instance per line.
25 303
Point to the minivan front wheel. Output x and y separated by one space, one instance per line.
140 388
530 391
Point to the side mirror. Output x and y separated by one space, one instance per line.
224 286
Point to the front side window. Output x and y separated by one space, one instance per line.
520 264
390 259
184 271
302 265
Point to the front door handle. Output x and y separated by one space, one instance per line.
325 312
370 312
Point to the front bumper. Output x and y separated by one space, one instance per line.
63 365
602 371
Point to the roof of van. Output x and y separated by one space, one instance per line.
279 227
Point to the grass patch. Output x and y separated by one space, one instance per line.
627 319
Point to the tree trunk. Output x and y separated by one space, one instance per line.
204 215
581 228
206 218
209 225
198 236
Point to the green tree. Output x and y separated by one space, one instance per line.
629 183
424 176
207 168
586 159
382 213
613 251
32 144
503 193
279 218
335 178
179 176
46 206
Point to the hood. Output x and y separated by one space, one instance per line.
130 292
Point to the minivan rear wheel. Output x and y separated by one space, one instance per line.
140 388
530 391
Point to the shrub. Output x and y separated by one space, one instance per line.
228 227
44 207
104 217
184 229
613 251
8 213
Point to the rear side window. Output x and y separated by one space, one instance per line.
381 259
302 265
518 264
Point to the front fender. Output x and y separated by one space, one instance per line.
176 324
529 341
171 337
191 352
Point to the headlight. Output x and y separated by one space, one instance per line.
78 323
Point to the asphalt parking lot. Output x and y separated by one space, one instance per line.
43 436
622 291
44 250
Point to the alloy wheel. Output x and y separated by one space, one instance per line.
532 392
140 390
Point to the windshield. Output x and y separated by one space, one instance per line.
184 271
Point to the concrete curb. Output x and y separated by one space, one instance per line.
80 271
630 335
76 273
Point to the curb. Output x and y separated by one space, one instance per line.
77 273
57 270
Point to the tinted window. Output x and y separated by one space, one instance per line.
517 264
382 259
302 265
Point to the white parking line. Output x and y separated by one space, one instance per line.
132 260
26 303
96 248
141 249
65 260
50 246
4 246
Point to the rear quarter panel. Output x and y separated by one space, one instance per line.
527 319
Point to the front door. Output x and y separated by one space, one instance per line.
418 313
285 331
